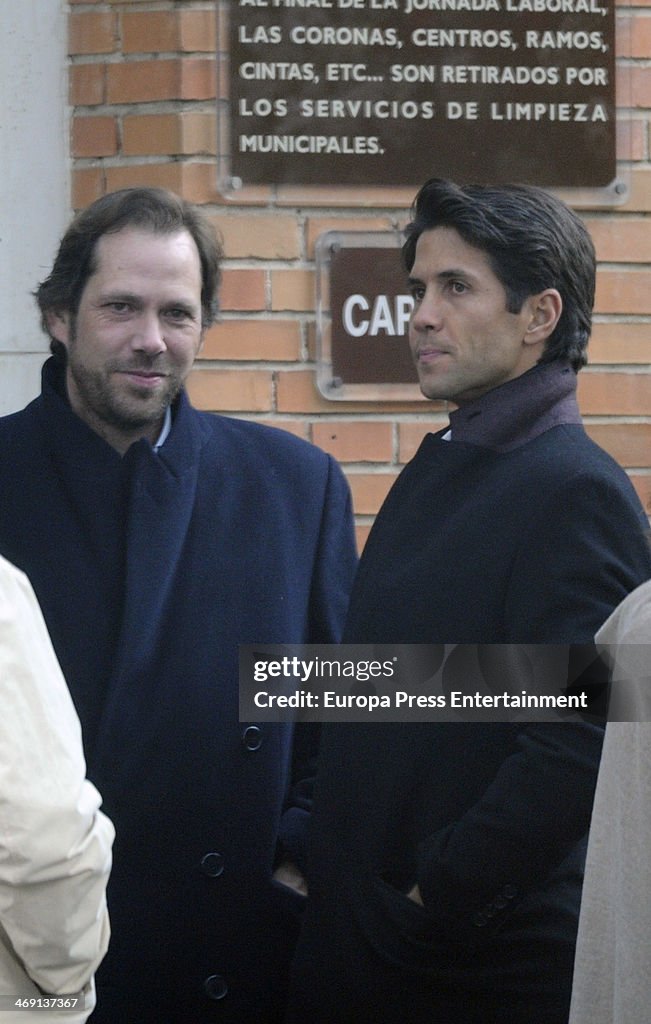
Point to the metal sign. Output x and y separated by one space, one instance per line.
392 92
363 311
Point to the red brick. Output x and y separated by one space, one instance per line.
361 197
362 531
200 182
642 484
611 393
168 31
254 340
299 428
261 236
641 37
631 139
249 195
162 175
639 197
186 132
243 290
297 393
311 342
193 180
94 136
623 41
293 289
369 490
621 239
150 32
640 87
625 291
151 135
88 184
147 81
620 343
198 31
198 79
198 132
144 81
92 32
231 390
410 434
628 443
367 441
87 84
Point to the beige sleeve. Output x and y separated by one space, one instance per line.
55 844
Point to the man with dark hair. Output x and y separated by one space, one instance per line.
445 859
532 242
157 539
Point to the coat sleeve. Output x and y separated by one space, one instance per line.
611 975
583 552
334 569
335 562
55 844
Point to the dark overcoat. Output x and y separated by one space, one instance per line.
533 543
150 570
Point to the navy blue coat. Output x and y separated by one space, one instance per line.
535 544
150 570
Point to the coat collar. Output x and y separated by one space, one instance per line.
135 512
516 412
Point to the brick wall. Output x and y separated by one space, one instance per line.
142 92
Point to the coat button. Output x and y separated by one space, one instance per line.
212 864
510 891
252 737
215 987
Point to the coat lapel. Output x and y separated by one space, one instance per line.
161 491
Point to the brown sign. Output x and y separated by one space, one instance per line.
363 316
391 92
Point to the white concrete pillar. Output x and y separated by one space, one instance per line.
34 180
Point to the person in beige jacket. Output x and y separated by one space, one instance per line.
612 971
55 843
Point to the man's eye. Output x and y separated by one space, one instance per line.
417 293
119 307
177 314
458 287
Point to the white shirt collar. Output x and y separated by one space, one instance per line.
167 426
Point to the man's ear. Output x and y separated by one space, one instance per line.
58 324
545 309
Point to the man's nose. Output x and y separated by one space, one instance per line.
150 337
427 314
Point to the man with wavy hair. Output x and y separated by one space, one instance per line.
445 859
158 538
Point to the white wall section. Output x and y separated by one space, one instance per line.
34 180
